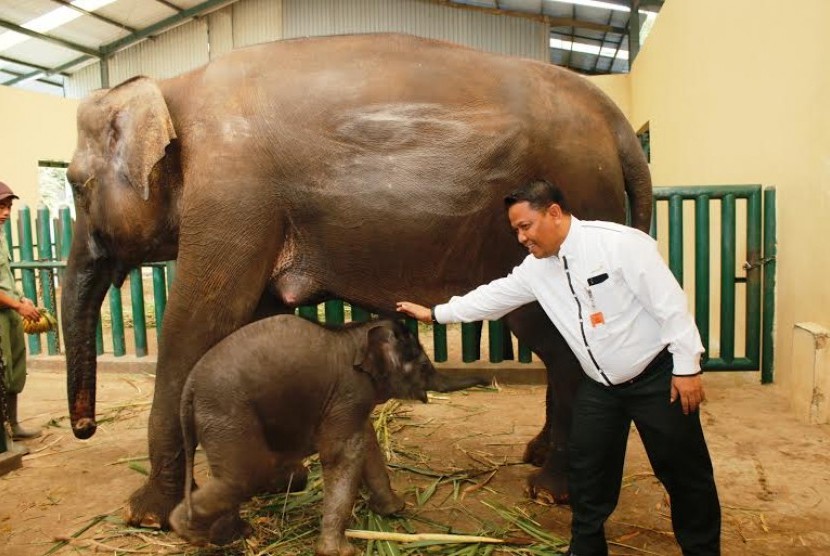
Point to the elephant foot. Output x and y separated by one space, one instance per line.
548 488
224 530
334 548
389 505
537 449
150 507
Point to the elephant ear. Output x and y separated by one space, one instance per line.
141 128
376 356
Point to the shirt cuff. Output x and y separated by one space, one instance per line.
442 314
685 365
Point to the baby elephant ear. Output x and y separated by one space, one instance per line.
374 352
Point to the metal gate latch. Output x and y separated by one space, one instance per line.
760 262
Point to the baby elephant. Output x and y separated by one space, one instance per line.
281 389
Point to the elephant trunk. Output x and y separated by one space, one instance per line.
85 285
450 382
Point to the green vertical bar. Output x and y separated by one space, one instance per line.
99 337
66 232
47 284
653 228
359 314
439 342
308 312
159 298
753 277
496 340
335 312
412 325
702 270
24 233
116 322
727 281
676 237
170 267
525 354
139 322
470 348
770 252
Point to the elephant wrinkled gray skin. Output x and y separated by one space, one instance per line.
283 388
370 168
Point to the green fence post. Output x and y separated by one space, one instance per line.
139 323
116 322
308 312
702 289
727 288
525 354
770 252
170 268
653 228
359 314
753 277
676 237
159 298
495 329
439 342
334 311
7 231
24 232
47 278
470 346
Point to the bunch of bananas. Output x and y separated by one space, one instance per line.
45 323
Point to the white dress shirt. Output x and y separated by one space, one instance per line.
608 292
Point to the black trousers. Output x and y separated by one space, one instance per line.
676 449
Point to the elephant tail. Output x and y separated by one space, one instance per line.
637 179
188 424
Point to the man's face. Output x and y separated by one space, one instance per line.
5 210
540 231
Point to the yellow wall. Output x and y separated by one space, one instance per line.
727 105
36 127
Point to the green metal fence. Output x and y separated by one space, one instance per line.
52 238
756 262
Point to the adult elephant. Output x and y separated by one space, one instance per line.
369 168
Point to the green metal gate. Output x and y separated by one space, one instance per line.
757 262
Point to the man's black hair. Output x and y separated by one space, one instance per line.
540 194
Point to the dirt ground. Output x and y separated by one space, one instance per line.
773 472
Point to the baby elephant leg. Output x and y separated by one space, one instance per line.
341 455
382 500
241 465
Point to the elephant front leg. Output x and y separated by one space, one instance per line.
211 297
382 499
342 462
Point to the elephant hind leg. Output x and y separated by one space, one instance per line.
549 448
241 465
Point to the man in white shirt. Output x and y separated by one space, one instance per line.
625 317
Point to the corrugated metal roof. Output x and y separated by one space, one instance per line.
586 35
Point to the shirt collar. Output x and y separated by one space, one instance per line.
570 247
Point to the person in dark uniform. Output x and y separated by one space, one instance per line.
622 312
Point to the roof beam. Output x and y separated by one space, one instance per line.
27 64
41 80
163 25
99 17
40 73
109 49
552 21
48 38
171 5
633 32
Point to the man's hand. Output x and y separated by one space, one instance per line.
27 310
418 312
690 390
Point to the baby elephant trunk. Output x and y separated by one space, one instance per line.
450 382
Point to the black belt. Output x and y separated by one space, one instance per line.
660 362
